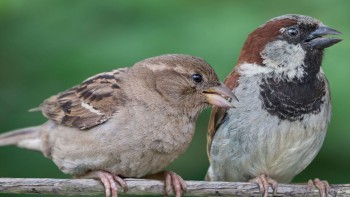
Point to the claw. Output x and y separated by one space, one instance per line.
174 181
322 186
263 182
109 181
121 182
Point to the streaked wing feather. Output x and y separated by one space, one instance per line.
88 104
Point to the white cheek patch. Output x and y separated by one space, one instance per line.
286 59
250 70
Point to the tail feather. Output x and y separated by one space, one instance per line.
25 138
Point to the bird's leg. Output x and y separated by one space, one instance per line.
322 186
109 181
263 181
172 181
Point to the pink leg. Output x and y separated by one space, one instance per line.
172 180
264 182
322 186
109 181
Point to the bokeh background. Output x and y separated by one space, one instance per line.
49 46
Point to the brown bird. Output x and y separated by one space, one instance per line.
130 122
279 125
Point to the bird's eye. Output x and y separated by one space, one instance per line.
293 31
197 78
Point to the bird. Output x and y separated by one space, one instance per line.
280 122
129 122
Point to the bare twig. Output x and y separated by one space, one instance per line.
153 187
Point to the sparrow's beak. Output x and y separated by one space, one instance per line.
317 41
220 96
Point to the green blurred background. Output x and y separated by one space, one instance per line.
49 46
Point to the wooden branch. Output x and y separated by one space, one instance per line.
75 187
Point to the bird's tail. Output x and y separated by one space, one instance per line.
25 138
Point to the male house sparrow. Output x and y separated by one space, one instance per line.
130 122
279 125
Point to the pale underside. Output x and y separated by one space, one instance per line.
108 147
251 141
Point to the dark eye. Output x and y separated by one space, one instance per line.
197 78
293 31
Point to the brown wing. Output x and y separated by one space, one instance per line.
88 104
217 113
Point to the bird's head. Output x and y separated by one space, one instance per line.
186 82
290 45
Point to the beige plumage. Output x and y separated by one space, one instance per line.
130 122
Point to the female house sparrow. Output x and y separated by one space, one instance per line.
279 125
130 122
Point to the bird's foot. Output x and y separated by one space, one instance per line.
322 186
264 181
109 181
172 180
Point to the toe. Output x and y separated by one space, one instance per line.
322 186
263 181
105 182
109 181
121 182
113 185
258 180
174 181
167 184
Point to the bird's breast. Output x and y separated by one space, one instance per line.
251 140
135 147
292 100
